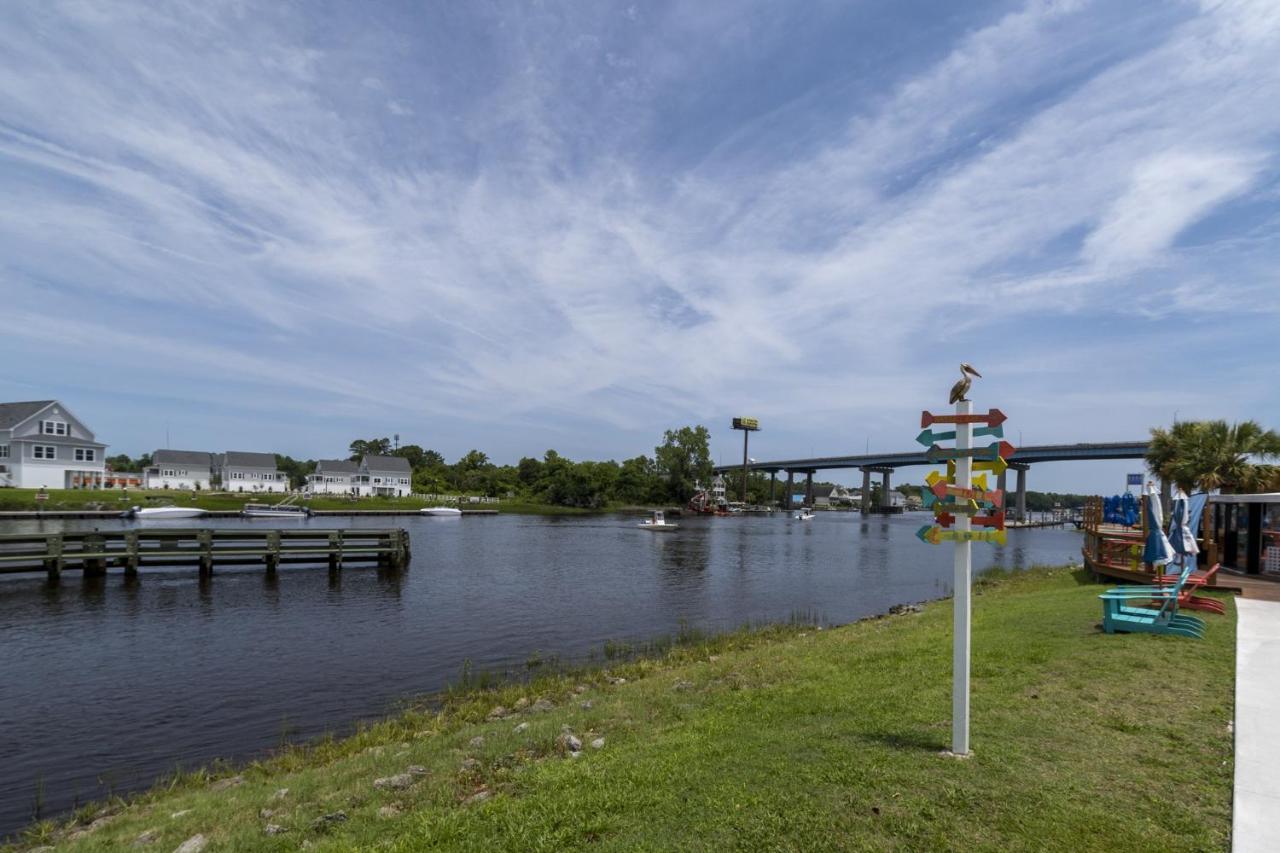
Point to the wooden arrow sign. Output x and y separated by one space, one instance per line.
994 450
995 497
935 478
933 535
994 418
995 466
996 520
957 507
928 436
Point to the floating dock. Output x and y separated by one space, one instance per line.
93 552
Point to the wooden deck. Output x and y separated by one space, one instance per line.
93 552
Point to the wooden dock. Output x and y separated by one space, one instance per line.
93 552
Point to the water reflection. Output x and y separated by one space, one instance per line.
181 657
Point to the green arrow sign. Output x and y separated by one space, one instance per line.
928 436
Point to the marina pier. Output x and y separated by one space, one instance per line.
93 552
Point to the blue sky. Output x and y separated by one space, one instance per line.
279 226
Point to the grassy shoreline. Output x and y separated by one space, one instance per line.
23 500
783 738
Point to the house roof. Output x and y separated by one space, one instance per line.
12 414
823 491
390 464
337 466
244 459
182 457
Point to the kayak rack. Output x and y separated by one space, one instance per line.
93 552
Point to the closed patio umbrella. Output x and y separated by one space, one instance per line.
1180 535
1157 550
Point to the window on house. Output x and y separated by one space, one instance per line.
85 454
44 451
53 427
377 480
4 451
168 472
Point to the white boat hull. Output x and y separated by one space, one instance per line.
167 512
441 511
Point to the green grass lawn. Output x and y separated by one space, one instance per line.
785 739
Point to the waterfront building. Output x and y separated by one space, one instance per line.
333 477
121 479
179 469
242 471
388 476
43 445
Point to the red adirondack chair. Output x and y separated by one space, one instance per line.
1187 597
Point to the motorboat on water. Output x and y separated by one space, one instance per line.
803 514
441 511
658 524
160 512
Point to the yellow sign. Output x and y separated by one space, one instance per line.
746 423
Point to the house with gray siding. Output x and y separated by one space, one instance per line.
241 471
43 445
179 469
333 477
389 476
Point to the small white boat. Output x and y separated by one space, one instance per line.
145 512
658 524
442 511
252 510
803 514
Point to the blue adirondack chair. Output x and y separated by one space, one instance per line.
1149 609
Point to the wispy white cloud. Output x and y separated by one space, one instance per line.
490 214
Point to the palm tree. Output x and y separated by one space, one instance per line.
1214 455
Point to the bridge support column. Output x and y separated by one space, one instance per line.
886 483
1022 494
773 485
791 489
1001 483
866 491
808 489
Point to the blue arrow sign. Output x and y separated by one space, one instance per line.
928 437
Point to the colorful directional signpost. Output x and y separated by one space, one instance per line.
965 511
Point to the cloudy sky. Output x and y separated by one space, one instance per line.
514 226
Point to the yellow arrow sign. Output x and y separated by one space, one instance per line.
934 535
996 466
935 477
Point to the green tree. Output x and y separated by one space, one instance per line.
638 481
296 470
684 460
413 453
1214 455
122 462
371 447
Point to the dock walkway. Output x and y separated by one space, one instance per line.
93 552
1256 811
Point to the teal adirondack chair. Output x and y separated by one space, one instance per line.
1129 609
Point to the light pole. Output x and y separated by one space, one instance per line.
748 426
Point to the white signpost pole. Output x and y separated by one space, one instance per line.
963 586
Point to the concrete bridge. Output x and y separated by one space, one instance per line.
885 464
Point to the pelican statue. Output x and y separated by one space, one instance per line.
961 388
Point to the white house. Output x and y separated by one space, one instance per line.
383 475
239 471
43 445
333 477
179 469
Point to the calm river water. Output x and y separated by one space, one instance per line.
108 684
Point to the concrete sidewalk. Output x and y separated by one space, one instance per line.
1256 813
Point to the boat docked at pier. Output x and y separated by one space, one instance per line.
144 513
441 511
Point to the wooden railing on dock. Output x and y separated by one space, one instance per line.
94 551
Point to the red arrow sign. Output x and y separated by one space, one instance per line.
993 418
996 520
942 489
